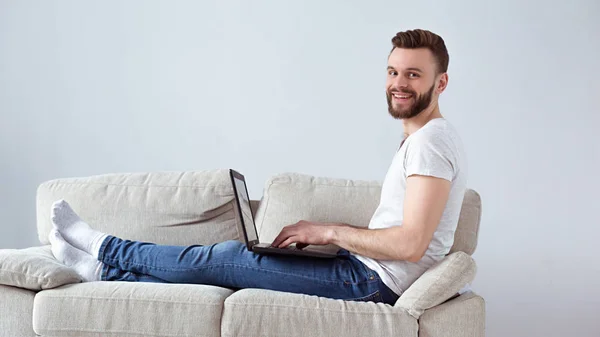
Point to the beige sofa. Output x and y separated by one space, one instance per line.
41 297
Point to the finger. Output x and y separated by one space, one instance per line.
280 238
287 242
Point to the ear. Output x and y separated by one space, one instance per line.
442 83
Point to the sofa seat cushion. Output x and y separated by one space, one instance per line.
255 312
129 309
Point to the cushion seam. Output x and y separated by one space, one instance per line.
478 224
128 299
324 184
310 309
268 197
132 185
118 331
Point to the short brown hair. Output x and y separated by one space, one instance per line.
419 38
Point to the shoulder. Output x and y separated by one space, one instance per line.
440 135
435 145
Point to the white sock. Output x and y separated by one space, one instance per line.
74 230
84 264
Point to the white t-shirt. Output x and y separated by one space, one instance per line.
433 150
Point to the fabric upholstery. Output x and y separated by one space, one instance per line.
291 197
123 308
466 236
438 283
255 312
16 306
34 268
254 206
177 208
463 316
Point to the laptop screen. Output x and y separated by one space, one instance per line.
244 201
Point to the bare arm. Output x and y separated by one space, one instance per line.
424 203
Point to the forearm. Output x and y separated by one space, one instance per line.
384 244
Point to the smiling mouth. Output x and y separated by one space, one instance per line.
401 95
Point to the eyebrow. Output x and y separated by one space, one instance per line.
408 69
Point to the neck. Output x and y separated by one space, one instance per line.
413 124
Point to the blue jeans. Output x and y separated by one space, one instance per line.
229 264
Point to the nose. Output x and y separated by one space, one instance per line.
399 82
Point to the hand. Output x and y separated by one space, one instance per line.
304 233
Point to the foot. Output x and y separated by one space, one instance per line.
74 230
84 264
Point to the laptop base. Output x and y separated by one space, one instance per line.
265 248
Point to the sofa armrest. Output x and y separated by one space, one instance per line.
16 312
442 281
34 269
463 316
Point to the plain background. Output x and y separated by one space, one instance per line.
277 86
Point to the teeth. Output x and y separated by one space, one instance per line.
401 96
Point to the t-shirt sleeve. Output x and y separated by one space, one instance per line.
430 155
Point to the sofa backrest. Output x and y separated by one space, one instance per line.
178 208
186 208
291 197
467 232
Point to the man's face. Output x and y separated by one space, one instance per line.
411 82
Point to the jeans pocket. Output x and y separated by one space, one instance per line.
358 272
373 297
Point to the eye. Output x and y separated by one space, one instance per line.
413 75
392 73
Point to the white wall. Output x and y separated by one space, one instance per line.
271 86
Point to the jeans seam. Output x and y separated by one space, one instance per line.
104 272
376 295
103 247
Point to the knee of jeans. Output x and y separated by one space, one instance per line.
231 245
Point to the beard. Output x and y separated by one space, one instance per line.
420 103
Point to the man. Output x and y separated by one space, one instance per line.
412 228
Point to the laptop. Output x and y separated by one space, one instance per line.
249 228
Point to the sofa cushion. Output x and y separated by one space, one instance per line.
438 283
127 308
291 197
16 306
34 268
466 235
255 312
176 208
